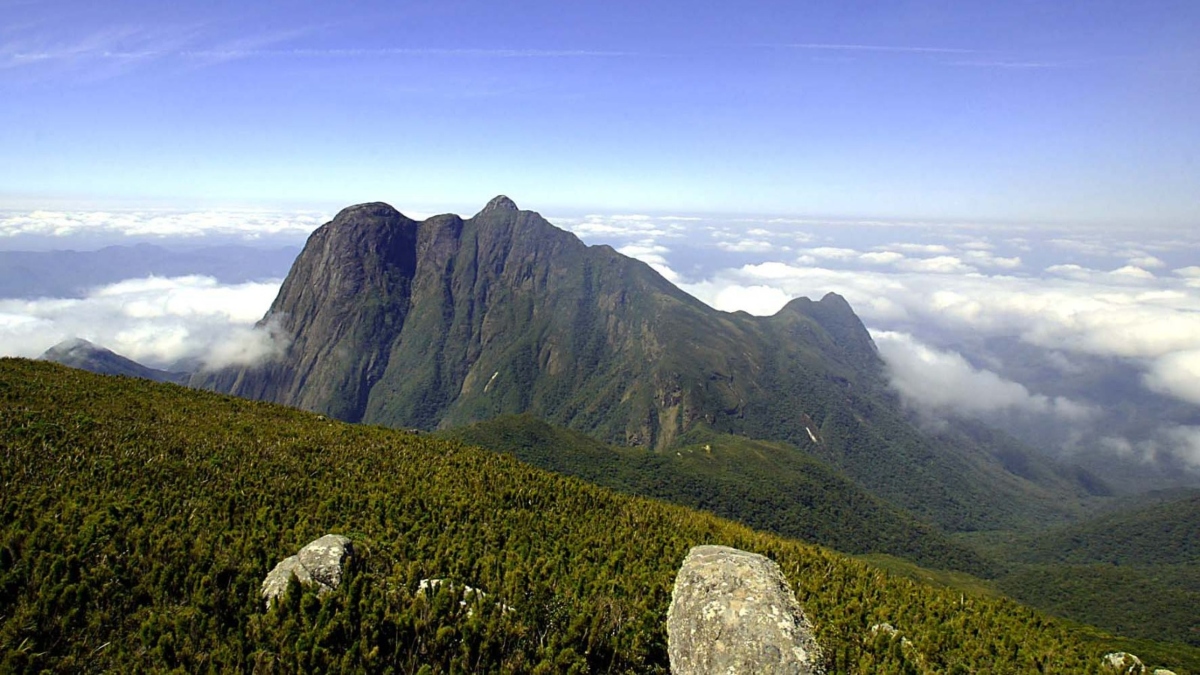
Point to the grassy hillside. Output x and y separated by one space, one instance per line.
769 486
138 520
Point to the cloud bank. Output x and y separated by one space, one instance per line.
156 321
937 381
121 226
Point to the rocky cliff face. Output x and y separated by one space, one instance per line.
450 321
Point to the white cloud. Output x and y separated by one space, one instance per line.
976 245
1186 443
757 300
653 255
939 381
1147 261
986 259
746 246
831 253
942 264
1177 374
882 257
621 227
1178 441
1089 247
156 321
159 224
1128 275
915 249
1132 272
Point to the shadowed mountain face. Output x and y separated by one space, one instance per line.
450 321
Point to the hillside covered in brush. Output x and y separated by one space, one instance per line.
139 519
448 321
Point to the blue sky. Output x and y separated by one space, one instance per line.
1009 111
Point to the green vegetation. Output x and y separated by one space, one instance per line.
1135 571
766 485
138 520
945 578
1158 602
1159 534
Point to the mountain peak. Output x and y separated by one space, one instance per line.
499 203
368 209
79 353
71 346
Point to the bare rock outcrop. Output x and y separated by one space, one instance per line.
733 612
322 562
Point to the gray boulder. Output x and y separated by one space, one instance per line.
1124 663
322 563
733 612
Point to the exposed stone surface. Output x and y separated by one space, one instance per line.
886 628
733 612
1124 663
322 562
430 586
893 633
1162 671
325 559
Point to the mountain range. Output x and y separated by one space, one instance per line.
449 321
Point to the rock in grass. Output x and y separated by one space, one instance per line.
322 562
733 612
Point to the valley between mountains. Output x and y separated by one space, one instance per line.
504 332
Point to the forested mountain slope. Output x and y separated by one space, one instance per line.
767 485
1135 571
449 321
139 519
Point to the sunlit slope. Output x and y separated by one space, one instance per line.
139 519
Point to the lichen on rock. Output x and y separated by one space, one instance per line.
733 612
322 562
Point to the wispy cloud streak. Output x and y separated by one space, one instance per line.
384 52
820 46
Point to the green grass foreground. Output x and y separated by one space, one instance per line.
138 520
